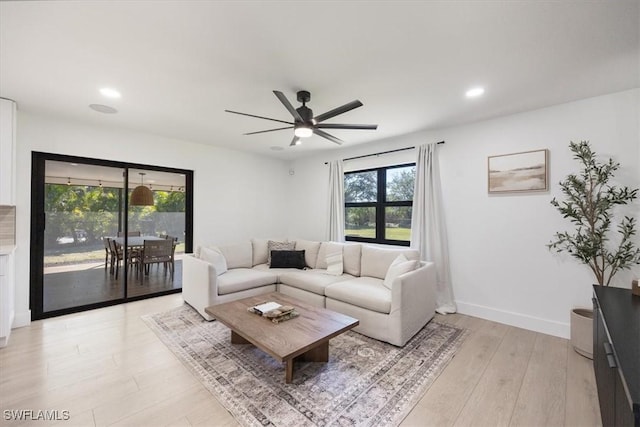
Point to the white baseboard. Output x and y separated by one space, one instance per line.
519 320
22 319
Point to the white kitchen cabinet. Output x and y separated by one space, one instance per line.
7 289
7 151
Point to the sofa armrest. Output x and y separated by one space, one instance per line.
199 284
413 294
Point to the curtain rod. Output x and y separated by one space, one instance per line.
378 154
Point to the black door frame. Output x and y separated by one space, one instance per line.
36 281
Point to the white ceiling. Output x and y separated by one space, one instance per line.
180 64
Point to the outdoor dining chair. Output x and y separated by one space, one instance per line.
117 255
156 252
107 250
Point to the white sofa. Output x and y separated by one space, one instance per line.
392 299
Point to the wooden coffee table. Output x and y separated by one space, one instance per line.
304 338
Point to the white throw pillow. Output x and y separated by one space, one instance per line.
334 263
399 266
215 258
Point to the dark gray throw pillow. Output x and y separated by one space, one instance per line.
287 259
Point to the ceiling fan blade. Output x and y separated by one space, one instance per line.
328 136
343 109
288 105
258 117
294 142
268 130
341 126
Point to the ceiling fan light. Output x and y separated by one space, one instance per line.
303 132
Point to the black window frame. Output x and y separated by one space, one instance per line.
380 204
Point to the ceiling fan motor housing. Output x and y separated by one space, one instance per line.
306 113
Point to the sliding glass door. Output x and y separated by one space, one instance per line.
82 206
95 240
164 219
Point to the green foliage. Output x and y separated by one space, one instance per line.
360 217
94 210
400 186
361 187
590 201
169 201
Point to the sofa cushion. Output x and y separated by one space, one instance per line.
241 279
279 246
214 257
335 266
399 266
238 255
311 251
277 271
288 259
311 280
366 292
260 251
351 254
325 249
376 261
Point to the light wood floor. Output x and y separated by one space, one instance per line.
107 368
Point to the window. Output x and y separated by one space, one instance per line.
378 204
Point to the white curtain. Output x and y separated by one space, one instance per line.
335 226
428 231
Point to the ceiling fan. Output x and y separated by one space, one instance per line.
305 124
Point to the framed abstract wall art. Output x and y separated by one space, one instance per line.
518 172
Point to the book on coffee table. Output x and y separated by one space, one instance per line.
275 312
265 307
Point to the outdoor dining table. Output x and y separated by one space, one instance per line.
135 241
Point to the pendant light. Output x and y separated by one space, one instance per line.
141 195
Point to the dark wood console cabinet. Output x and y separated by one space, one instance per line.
616 355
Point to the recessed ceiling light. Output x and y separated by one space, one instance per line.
103 108
276 148
474 92
110 93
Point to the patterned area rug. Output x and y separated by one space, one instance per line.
365 383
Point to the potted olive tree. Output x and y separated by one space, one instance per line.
589 204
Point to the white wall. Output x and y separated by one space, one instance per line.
236 195
501 269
